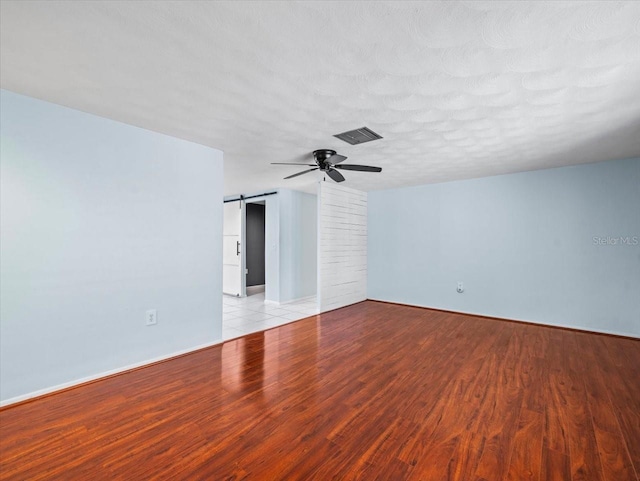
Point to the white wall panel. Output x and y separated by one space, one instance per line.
342 246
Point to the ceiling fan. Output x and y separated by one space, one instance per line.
327 161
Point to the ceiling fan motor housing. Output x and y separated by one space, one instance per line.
321 157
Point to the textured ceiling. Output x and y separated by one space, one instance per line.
457 89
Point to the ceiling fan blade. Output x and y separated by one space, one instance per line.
289 163
300 173
336 158
361 168
335 175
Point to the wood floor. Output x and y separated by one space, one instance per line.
372 391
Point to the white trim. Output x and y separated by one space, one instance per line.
546 324
299 299
59 387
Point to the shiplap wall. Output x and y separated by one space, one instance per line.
342 248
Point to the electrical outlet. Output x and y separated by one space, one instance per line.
460 288
151 317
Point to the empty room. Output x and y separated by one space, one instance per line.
319 240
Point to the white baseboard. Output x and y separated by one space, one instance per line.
95 377
299 299
546 324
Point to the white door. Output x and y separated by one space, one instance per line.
232 245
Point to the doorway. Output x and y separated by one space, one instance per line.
249 227
255 247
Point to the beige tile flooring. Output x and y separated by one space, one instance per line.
244 315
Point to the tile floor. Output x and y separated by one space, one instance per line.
249 314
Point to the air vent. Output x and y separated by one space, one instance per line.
358 136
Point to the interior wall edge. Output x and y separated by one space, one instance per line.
48 391
569 327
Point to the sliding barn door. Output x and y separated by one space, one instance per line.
232 249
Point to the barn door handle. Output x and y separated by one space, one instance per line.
237 248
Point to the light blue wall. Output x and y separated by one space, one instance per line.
101 221
272 248
523 244
298 244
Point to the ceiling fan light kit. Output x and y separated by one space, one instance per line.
328 161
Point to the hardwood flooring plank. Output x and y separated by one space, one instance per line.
556 437
625 396
555 465
500 421
584 456
526 455
466 457
612 446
